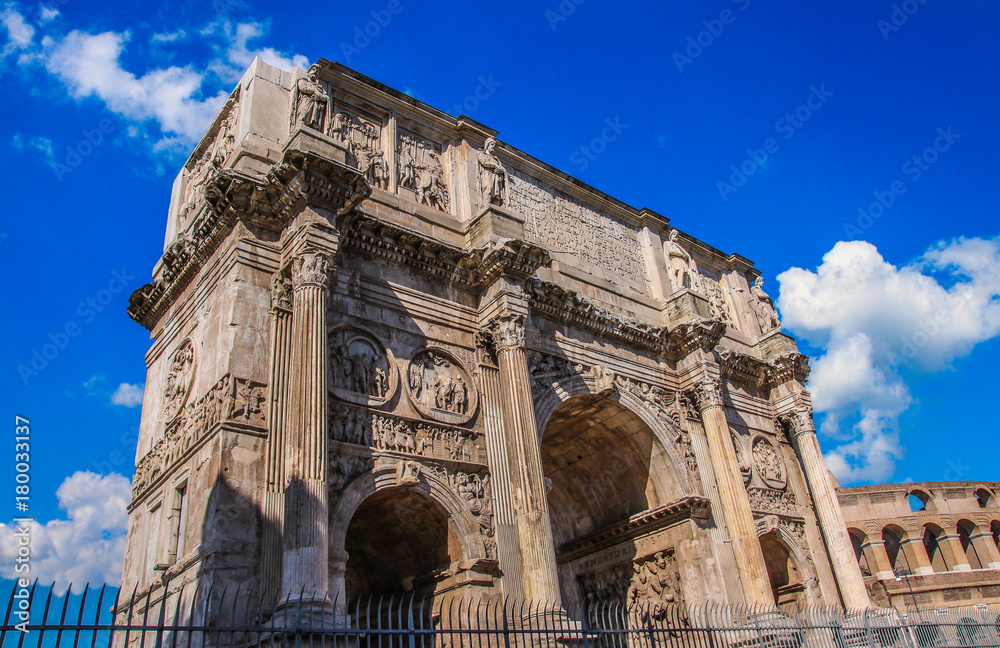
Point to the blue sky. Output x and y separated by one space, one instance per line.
823 105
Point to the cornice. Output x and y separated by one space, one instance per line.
687 508
690 336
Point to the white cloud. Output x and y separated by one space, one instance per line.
88 545
127 395
872 319
89 66
168 37
19 33
239 54
47 14
41 144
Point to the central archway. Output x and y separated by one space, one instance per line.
604 465
398 540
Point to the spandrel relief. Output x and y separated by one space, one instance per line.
421 171
767 463
361 369
440 388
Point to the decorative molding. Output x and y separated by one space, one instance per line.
707 393
799 421
767 500
310 268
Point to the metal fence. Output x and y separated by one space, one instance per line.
196 617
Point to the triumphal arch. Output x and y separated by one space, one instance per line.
394 354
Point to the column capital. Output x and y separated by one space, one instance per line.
507 331
708 393
310 268
800 421
281 292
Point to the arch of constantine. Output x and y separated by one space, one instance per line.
394 354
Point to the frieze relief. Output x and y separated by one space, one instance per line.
767 463
179 379
440 388
421 171
391 434
566 226
655 581
206 163
363 138
235 400
767 500
361 369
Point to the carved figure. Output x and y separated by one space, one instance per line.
178 382
437 383
310 100
763 307
492 176
680 266
357 366
767 463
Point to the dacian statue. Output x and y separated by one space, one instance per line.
492 175
310 100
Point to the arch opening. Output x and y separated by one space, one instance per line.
932 535
399 540
603 464
858 541
892 537
984 497
918 501
966 529
787 582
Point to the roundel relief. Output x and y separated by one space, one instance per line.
440 388
179 379
768 464
361 369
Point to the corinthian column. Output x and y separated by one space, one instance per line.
831 520
732 494
305 444
540 580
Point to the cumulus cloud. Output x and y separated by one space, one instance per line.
873 318
47 14
127 395
88 545
19 33
239 53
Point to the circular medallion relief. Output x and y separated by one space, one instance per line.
179 378
440 388
768 464
361 368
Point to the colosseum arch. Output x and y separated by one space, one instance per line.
933 535
967 530
392 532
858 541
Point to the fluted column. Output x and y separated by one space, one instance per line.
733 496
281 374
540 580
831 519
306 506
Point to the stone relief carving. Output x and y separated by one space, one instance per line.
655 581
492 176
763 307
310 101
391 434
210 160
768 464
610 584
546 369
669 405
310 268
363 140
717 301
565 225
361 369
420 170
344 469
281 292
440 388
179 379
237 400
680 265
767 500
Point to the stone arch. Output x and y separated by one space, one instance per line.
966 530
985 497
932 536
663 428
789 567
899 550
428 489
924 497
995 528
859 541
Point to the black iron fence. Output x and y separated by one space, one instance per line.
197 617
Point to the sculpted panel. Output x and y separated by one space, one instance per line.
440 388
310 101
420 170
361 368
563 224
179 379
767 463
363 138
655 581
